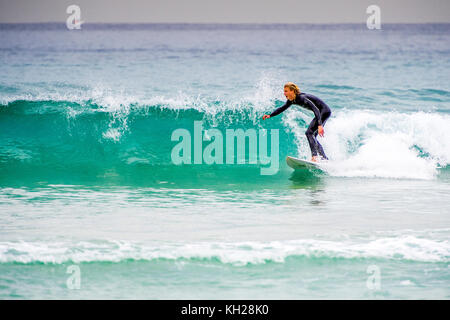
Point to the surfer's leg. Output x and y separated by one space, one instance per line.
320 148
324 118
311 133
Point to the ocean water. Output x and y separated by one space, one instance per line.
93 206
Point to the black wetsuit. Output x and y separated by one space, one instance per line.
321 113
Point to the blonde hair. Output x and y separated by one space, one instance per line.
293 87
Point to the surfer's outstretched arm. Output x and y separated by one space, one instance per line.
278 110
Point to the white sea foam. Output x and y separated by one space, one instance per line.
113 134
236 253
365 143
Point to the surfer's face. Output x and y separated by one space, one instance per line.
289 94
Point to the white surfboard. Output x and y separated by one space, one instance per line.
296 163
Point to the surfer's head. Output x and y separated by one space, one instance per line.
291 90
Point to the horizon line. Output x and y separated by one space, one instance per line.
230 23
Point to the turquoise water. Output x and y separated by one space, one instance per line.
87 179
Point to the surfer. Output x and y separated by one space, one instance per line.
321 113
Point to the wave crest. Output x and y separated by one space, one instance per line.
241 253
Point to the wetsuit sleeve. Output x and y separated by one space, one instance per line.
281 109
314 109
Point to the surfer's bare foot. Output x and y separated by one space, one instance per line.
314 159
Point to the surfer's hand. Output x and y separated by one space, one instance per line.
320 131
266 116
